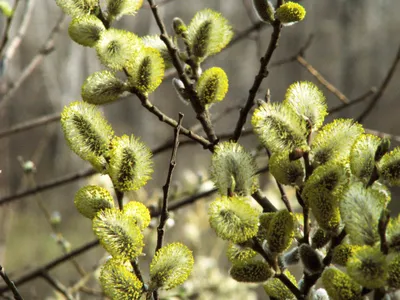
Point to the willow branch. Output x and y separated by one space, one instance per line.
10 284
381 89
262 73
202 113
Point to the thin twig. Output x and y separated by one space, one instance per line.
359 99
381 89
10 284
302 61
164 209
164 118
57 285
90 172
45 50
382 226
273 263
310 280
262 73
31 124
51 265
202 112
166 187
7 28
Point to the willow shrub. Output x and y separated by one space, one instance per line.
340 173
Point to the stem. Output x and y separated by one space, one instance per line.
166 188
10 284
262 73
202 113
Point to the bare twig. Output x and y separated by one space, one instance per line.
166 187
302 61
57 285
262 73
360 99
381 89
30 124
45 50
10 284
16 41
164 118
7 28
89 172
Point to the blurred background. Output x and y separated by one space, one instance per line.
353 47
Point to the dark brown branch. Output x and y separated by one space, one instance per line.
202 113
164 118
166 187
164 209
56 285
10 284
382 226
263 201
262 73
381 89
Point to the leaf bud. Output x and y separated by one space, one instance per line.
118 234
87 132
117 8
251 271
233 219
179 26
130 165
279 128
119 282
102 87
339 285
146 70
389 167
265 10
281 231
139 212
277 290
170 266
85 30
212 86
208 33
368 267
286 171
90 199
233 169
290 12
311 259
